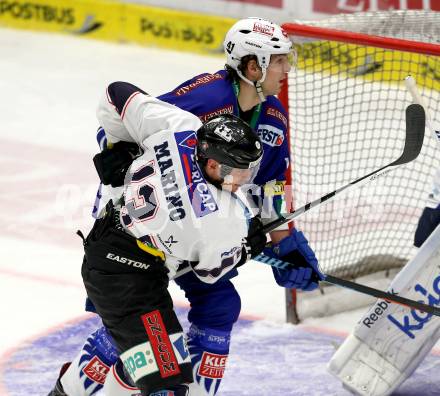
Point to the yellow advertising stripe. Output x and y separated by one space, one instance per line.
96 19
176 29
115 21
370 63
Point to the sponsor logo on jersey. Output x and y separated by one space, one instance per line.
168 243
231 257
171 241
189 142
96 370
212 365
202 80
229 109
125 260
270 135
263 29
416 320
200 195
168 180
272 111
161 344
273 188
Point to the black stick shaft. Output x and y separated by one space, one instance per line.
415 129
406 302
390 297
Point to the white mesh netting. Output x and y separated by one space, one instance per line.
347 118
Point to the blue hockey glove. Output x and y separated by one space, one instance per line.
295 249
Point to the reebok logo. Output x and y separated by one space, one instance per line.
125 260
96 370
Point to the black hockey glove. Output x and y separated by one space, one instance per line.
112 164
255 241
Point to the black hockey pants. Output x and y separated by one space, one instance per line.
128 287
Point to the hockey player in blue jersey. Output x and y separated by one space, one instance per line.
430 217
259 56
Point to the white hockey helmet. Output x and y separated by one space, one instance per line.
255 36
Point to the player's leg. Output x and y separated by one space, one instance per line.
118 383
86 374
389 342
214 310
136 308
428 221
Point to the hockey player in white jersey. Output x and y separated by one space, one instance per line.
178 208
261 52
390 342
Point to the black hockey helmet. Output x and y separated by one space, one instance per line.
230 141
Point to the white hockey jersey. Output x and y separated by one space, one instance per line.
167 201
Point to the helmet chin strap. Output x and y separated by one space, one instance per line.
259 89
256 84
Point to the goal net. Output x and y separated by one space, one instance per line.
346 103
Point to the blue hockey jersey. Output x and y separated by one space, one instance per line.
207 95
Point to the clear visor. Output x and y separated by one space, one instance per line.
234 178
284 62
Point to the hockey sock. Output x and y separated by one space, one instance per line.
87 373
209 349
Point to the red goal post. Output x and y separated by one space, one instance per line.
346 103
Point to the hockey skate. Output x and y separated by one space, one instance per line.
58 389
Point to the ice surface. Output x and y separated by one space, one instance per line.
49 89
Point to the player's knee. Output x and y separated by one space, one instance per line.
217 307
102 342
428 221
234 305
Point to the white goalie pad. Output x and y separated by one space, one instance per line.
390 341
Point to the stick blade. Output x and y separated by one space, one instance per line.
415 132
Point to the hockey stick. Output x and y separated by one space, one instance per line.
417 98
387 296
415 130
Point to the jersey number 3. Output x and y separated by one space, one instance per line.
143 204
